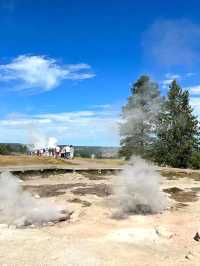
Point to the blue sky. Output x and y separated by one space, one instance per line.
66 66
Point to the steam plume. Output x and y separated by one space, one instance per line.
40 141
137 189
19 207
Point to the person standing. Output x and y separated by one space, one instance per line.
62 153
71 151
67 152
57 151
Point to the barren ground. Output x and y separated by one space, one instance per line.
93 237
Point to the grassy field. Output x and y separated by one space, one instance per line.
6 160
11 160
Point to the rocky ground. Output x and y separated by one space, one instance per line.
93 237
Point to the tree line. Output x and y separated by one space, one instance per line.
7 149
160 128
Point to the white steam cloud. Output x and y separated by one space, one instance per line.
164 40
137 189
18 207
40 141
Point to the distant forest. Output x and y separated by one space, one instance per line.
12 148
96 151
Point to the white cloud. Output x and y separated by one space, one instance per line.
172 42
195 103
190 74
194 90
172 76
168 79
101 106
41 73
89 127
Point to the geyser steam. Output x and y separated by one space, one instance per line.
38 140
137 189
19 207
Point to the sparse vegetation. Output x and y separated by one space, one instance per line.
8 160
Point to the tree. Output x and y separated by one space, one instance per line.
177 130
5 149
138 118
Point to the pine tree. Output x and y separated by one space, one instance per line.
138 118
177 129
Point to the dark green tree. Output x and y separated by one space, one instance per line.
177 130
137 129
5 149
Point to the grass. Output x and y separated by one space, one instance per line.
21 160
9 160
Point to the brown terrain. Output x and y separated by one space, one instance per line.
92 236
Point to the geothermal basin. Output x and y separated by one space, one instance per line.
92 235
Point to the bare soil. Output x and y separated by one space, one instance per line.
93 237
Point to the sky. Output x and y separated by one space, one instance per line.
66 67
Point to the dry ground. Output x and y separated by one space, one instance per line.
93 237
23 160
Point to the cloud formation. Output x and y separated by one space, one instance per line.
194 90
89 127
172 42
41 73
168 79
195 103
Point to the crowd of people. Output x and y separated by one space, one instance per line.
66 152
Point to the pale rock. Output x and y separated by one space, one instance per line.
163 232
76 215
189 256
32 226
50 223
54 257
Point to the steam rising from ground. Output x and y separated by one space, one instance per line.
137 189
19 207
40 141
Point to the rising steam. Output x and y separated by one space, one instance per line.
19 207
137 189
39 140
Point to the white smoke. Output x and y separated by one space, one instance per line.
40 141
137 189
52 142
19 207
137 115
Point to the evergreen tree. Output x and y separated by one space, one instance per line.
177 129
138 118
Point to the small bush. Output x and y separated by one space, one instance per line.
195 160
